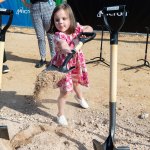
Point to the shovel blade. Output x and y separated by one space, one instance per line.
97 145
108 145
122 148
4 132
52 68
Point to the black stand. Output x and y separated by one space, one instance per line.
100 59
146 63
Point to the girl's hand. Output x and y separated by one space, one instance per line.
63 46
76 41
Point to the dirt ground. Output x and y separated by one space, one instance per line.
33 126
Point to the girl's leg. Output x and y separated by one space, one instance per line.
77 90
79 96
61 104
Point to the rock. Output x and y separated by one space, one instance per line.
66 143
143 115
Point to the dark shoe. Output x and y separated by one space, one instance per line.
5 69
40 63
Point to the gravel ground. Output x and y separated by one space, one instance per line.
32 125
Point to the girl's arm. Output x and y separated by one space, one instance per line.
26 4
63 46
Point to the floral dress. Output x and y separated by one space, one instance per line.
77 75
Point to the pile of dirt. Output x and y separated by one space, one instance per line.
46 80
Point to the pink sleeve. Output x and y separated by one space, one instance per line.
60 35
79 28
57 37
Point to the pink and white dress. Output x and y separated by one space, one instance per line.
77 75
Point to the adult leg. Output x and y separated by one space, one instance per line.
51 44
39 29
46 18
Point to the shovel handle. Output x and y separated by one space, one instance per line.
10 14
63 68
4 11
111 10
86 36
83 38
2 37
114 9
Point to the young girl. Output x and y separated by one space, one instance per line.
66 30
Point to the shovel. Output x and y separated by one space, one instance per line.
4 132
109 143
83 38
3 129
2 38
51 76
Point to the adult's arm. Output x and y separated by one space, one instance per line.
2 1
26 3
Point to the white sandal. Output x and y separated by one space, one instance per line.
82 102
62 120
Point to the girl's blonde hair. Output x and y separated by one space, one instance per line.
73 23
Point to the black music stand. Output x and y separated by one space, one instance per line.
100 58
146 63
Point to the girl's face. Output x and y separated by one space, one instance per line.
62 21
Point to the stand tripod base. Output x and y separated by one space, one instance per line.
146 63
99 60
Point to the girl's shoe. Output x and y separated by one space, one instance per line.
82 102
62 120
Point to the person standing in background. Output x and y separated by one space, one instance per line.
41 11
